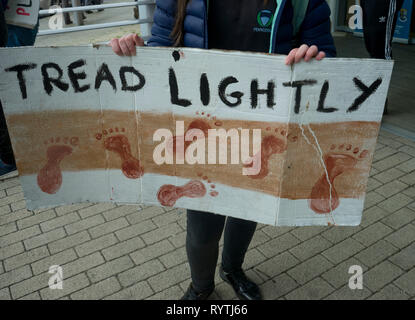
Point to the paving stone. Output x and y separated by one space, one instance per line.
10 199
26 257
60 258
9 183
109 269
170 277
98 290
95 209
376 253
259 238
14 216
314 290
389 175
44 238
339 275
372 198
384 153
141 272
338 234
31 296
402 237
390 292
161 233
373 184
276 265
310 269
19 235
410 192
5 294
36 219
408 178
395 202
108 227
138 291
95 245
69 285
68 242
84 224
407 282
135 230
170 217
252 258
120 211
372 234
82 264
70 208
373 215
59 221
405 259
407 166
274 232
151 252
123 248
407 149
30 285
7 228
310 247
345 293
172 293
381 275
178 240
391 161
14 190
391 188
19 205
278 245
4 210
11 250
343 250
277 287
14 276
399 218
174 258
144 214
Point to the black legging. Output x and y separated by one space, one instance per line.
204 230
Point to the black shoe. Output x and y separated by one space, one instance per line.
191 294
244 288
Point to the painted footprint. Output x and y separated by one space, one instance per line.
324 198
49 178
270 145
179 143
169 194
116 141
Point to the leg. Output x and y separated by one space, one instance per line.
237 237
204 230
6 151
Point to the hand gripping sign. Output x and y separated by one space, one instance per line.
239 134
23 13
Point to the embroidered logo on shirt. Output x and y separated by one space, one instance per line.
264 19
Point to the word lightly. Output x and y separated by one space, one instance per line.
226 309
356 280
52 75
190 146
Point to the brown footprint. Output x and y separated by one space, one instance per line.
336 163
49 178
116 141
270 145
169 194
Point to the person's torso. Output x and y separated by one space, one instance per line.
240 24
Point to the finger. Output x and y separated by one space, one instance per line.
301 53
124 47
311 53
138 41
131 44
116 47
321 55
290 58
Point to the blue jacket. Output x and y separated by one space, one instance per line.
315 29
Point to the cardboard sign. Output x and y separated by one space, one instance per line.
23 13
238 134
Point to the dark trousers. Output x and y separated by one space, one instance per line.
6 151
379 21
204 231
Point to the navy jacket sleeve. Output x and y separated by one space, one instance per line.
164 18
315 29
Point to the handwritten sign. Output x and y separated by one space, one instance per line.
23 13
239 134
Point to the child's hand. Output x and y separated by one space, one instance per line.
304 52
125 46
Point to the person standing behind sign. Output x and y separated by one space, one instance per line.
246 25
379 22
